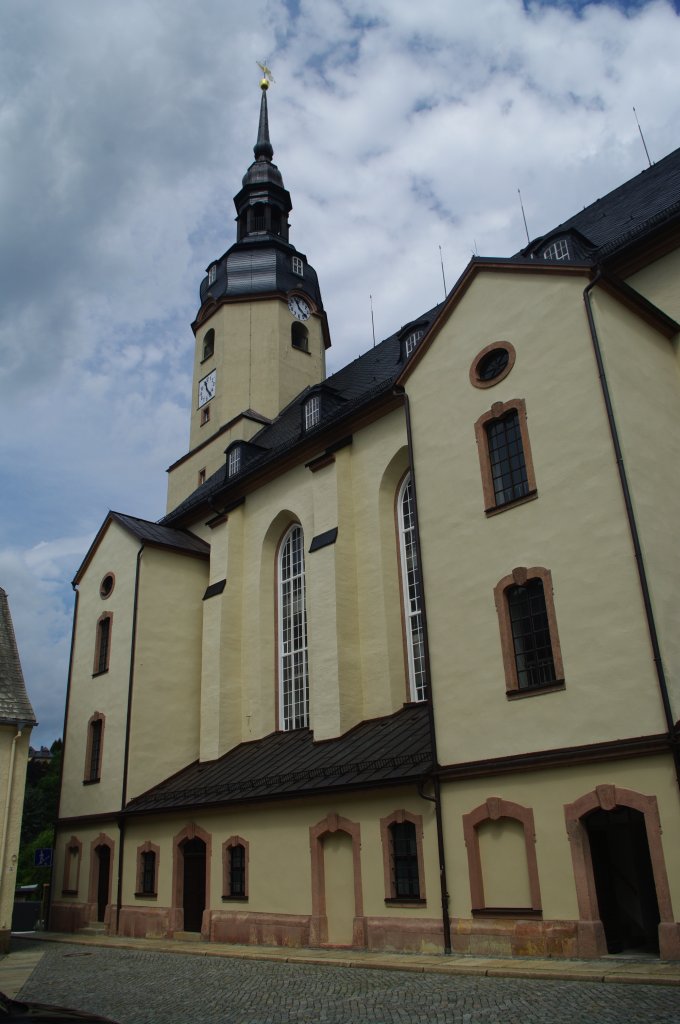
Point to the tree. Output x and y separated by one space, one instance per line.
40 813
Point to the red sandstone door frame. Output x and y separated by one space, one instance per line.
591 935
99 888
318 930
176 917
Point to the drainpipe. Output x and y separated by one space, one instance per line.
632 525
123 798
436 799
63 747
8 800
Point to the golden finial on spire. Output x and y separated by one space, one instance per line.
267 76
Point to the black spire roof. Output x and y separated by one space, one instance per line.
262 260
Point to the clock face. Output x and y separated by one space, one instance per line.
206 388
299 307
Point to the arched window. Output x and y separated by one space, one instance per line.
293 674
529 640
299 336
209 343
93 751
410 578
102 646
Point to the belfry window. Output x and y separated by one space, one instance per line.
299 336
410 578
102 648
209 344
293 669
258 217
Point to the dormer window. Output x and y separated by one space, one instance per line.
412 340
298 266
234 461
312 411
558 250
212 274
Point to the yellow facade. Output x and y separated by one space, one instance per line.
319 724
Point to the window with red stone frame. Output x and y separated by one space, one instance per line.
402 843
102 646
94 748
147 870
235 869
505 456
530 644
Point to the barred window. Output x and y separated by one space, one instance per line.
234 461
148 872
410 574
405 876
237 870
293 670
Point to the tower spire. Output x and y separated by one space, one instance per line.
263 148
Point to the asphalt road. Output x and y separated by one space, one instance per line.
135 987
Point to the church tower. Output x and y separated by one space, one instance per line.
261 330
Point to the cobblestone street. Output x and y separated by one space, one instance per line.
135 987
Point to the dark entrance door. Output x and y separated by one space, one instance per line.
104 858
624 881
193 853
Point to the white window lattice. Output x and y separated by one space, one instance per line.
410 571
312 411
558 250
298 266
412 340
234 461
212 274
293 672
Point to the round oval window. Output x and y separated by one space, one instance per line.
106 585
492 364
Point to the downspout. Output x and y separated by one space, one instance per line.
632 525
446 921
8 801
63 741
126 754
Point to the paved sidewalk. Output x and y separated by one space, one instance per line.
16 968
621 969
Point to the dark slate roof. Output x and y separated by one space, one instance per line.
14 703
381 752
154 533
630 211
344 393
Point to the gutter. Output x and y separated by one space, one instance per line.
126 755
436 799
632 525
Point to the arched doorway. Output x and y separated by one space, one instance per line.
624 880
194 863
620 873
337 900
103 854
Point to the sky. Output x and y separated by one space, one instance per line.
403 132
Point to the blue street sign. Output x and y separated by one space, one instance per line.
43 858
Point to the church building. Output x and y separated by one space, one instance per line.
399 668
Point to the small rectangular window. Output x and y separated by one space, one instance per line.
201 477
237 871
405 860
95 750
205 415
412 340
530 635
298 266
212 274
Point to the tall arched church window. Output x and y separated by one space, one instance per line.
293 671
411 591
